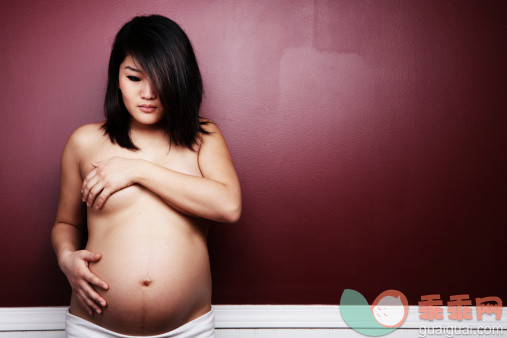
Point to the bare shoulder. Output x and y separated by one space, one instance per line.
207 124
210 127
87 134
212 142
83 137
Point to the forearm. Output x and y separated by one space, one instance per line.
65 238
198 196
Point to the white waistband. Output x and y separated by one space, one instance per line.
203 326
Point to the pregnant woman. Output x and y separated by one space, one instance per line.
145 183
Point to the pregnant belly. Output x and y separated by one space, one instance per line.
158 279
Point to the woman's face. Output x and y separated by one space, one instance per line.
139 95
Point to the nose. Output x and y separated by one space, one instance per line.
148 92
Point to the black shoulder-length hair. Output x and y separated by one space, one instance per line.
163 50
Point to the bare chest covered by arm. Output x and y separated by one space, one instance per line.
135 202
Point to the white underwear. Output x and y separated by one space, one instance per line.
200 327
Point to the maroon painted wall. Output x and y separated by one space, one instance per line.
369 138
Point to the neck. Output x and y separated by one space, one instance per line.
146 135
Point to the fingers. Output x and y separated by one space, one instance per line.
82 281
101 198
93 192
90 277
89 256
87 299
97 163
88 183
84 303
88 178
97 281
92 295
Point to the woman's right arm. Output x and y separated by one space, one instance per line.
68 228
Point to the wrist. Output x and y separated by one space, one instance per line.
63 254
139 167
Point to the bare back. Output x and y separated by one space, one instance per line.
154 258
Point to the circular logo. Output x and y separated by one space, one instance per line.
390 308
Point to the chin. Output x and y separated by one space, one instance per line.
148 119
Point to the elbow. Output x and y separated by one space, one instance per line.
234 213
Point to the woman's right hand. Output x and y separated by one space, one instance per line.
74 265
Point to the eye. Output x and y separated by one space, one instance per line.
133 78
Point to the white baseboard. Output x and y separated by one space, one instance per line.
245 316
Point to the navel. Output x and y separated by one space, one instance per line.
146 282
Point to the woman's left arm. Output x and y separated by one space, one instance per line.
215 196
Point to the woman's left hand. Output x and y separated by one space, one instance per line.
107 177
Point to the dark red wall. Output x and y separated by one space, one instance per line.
369 138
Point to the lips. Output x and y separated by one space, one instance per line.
148 108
